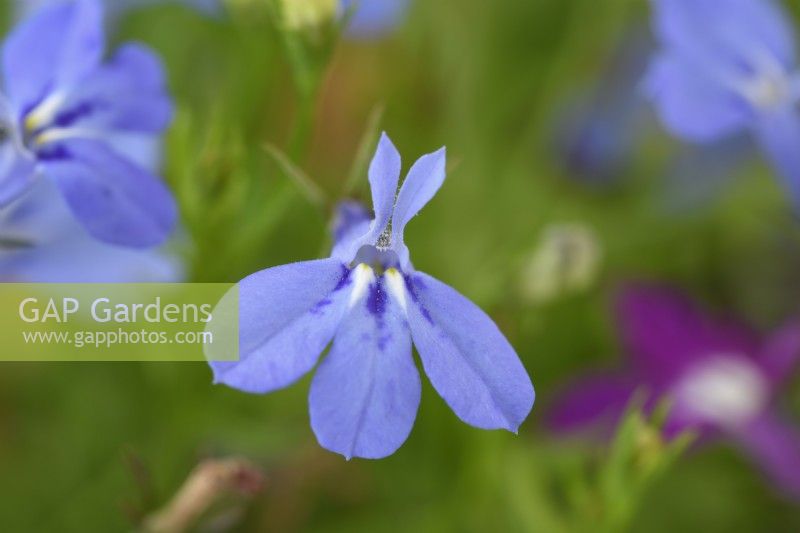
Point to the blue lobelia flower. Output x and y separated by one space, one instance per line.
371 301
373 18
727 66
115 8
62 111
41 242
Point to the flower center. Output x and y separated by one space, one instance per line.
51 121
770 85
768 91
727 390
378 258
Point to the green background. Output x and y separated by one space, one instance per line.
95 447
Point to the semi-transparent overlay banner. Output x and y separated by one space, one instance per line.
119 322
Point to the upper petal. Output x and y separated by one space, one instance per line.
366 392
287 315
55 48
127 93
691 103
665 332
351 223
423 180
384 173
116 201
727 34
468 360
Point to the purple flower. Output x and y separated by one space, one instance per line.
722 380
61 112
728 66
373 18
371 301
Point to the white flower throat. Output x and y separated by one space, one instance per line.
727 389
770 85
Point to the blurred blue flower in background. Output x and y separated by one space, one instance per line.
41 242
721 379
727 66
368 298
373 18
115 8
697 175
62 112
598 132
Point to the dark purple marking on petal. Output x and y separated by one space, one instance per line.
53 152
414 284
385 339
72 115
344 281
376 301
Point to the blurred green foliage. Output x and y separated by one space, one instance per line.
95 447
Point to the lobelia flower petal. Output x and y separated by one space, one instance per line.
352 222
127 93
288 315
691 104
780 353
52 50
778 133
468 360
590 400
373 18
365 394
726 34
57 249
142 149
17 172
665 332
115 8
87 260
776 447
384 173
116 201
424 179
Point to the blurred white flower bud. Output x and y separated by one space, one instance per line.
566 261
308 14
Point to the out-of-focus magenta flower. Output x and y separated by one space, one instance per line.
722 379
373 18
